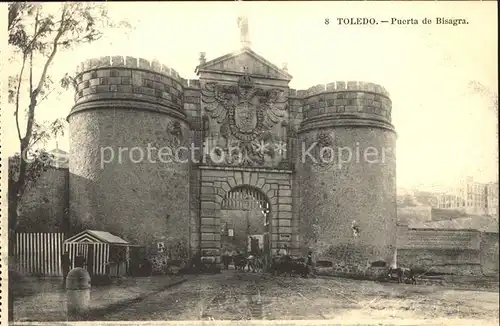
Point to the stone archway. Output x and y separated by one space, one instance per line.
217 183
245 214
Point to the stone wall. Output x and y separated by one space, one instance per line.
275 185
126 109
435 260
439 239
489 253
451 251
349 180
192 108
44 207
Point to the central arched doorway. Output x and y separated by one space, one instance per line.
245 221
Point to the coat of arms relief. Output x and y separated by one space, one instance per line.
246 123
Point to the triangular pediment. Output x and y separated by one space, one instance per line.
255 64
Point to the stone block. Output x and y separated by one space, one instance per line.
238 178
114 80
131 62
253 179
285 222
103 88
144 64
231 181
225 186
209 245
285 193
284 229
207 221
285 208
125 88
208 212
285 200
208 237
265 188
117 61
246 178
207 190
209 205
103 73
271 193
285 215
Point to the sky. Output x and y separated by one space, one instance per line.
446 130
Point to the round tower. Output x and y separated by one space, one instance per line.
347 172
129 146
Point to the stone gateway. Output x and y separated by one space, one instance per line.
235 138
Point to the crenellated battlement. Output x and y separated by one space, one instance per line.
109 80
340 86
346 103
134 63
128 62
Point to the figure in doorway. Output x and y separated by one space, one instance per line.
80 260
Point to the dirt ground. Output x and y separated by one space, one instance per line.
246 296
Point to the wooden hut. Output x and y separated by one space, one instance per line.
105 253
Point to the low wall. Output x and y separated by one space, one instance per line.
445 261
430 251
438 239
489 253
449 251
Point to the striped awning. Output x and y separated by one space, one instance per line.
93 236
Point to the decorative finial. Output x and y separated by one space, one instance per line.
285 66
244 33
202 58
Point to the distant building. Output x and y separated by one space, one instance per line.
492 199
414 197
470 197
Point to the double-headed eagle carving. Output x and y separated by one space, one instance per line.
245 114
246 111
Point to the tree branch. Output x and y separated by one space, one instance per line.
31 111
16 112
45 97
36 140
41 83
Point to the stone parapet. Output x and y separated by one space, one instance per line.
128 62
343 103
103 81
345 86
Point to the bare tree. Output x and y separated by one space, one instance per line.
37 33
